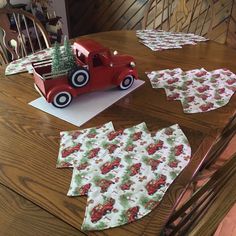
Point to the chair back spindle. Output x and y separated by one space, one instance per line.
23 33
194 16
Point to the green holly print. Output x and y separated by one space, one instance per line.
198 90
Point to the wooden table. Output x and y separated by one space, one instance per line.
29 181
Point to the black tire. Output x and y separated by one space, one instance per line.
79 77
127 82
62 99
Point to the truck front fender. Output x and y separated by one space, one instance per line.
124 73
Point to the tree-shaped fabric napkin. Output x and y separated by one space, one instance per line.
139 175
158 40
198 90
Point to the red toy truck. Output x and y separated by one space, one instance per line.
96 69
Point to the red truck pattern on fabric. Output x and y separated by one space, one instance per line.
108 166
93 153
179 149
96 69
101 210
112 135
67 151
137 136
135 168
84 189
132 214
152 148
154 185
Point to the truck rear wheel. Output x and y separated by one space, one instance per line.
62 99
79 77
126 82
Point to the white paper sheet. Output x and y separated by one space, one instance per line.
86 106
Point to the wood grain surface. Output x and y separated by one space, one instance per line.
30 138
19 214
231 34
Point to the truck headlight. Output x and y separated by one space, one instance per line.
132 64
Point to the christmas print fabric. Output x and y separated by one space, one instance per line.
198 90
25 64
126 173
107 157
79 145
158 40
139 181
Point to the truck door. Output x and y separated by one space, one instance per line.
101 71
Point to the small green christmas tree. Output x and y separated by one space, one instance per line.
69 58
57 64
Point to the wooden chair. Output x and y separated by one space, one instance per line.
195 16
202 213
207 206
23 34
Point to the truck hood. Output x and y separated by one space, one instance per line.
120 60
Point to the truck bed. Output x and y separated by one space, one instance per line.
44 79
43 70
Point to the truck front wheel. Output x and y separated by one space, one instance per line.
79 77
62 99
126 82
